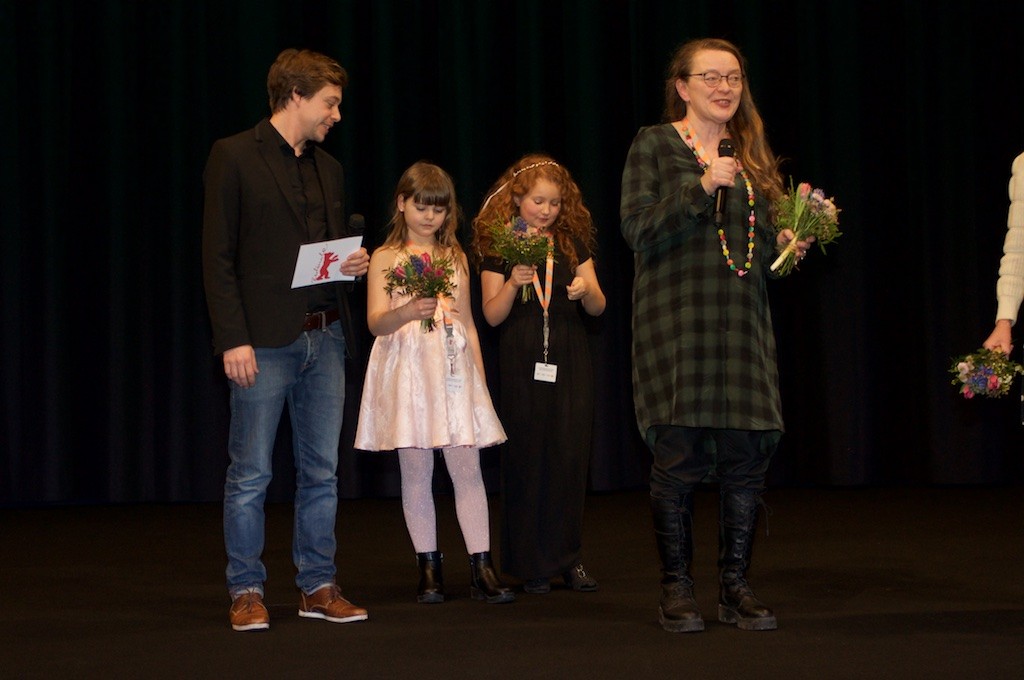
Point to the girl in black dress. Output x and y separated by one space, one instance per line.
546 394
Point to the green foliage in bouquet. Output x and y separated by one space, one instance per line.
808 213
514 244
420 276
986 373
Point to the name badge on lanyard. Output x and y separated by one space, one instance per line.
453 381
543 371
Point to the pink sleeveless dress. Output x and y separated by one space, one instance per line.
413 399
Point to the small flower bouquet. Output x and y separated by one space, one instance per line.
514 243
420 276
987 372
808 213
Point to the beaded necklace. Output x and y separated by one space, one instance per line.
697 148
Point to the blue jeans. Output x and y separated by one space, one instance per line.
309 376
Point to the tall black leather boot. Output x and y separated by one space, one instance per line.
484 583
673 529
431 588
737 603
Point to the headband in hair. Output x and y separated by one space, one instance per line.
515 173
531 167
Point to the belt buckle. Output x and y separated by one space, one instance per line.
322 320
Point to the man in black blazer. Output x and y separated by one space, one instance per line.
268 191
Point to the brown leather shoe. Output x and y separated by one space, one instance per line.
328 604
249 613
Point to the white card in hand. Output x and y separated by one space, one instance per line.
320 262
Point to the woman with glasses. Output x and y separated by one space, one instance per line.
696 192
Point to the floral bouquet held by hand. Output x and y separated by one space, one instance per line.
516 245
421 277
987 372
808 213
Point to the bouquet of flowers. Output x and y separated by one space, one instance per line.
422 277
987 372
808 213
516 245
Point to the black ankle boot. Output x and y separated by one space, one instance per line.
673 529
737 602
579 580
431 588
484 583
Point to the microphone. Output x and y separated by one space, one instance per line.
725 148
357 224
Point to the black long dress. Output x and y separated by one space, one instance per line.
545 461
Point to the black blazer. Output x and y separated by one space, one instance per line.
252 230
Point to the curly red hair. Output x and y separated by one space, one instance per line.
573 222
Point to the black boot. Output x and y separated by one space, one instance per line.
484 583
737 603
431 588
673 529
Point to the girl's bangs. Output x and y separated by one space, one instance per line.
438 195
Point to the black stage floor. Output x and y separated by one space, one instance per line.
867 583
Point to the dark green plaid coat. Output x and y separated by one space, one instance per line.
703 344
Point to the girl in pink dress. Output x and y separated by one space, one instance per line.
425 389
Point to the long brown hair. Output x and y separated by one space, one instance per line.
427 184
746 127
573 221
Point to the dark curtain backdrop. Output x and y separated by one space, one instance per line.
909 113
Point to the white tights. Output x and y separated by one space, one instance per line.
463 463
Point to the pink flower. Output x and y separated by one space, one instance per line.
966 391
426 258
803 190
993 382
399 272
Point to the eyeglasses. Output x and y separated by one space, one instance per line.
714 78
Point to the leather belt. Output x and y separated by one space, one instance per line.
318 321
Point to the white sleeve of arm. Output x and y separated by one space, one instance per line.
1010 287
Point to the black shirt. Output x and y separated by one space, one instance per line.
305 181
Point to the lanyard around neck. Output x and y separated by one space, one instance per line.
544 296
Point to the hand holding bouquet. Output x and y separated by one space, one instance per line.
987 372
514 243
420 276
808 213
